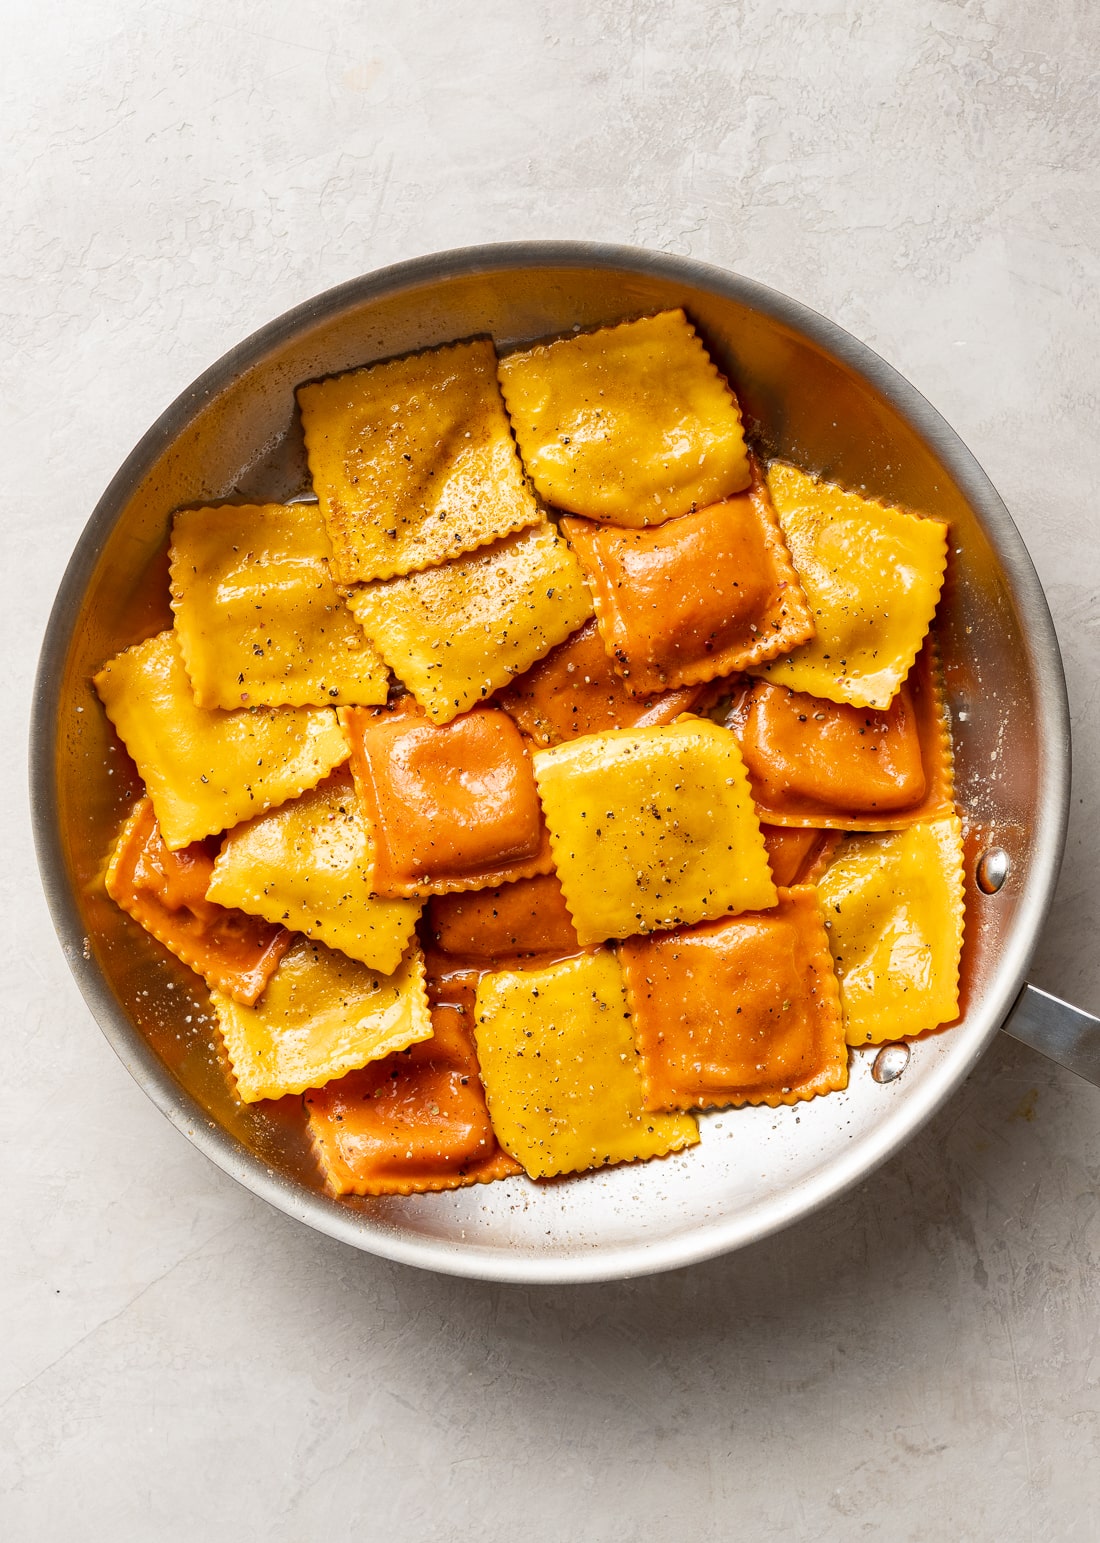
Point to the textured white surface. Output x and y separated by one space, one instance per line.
919 1362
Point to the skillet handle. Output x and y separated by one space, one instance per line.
1063 1033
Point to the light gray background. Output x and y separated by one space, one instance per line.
178 1361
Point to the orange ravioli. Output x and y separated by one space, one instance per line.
631 424
703 595
812 762
798 855
455 633
895 908
524 918
166 893
562 1077
872 575
449 807
575 691
258 617
309 864
205 769
740 1011
652 828
413 460
322 1015
415 1121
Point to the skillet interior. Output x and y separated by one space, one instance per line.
810 393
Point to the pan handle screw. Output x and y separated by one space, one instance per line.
890 1062
992 870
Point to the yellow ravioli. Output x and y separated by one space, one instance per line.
413 461
872 575
894 909
455 633
632 424
308 865
321 1016
562 1078
206 769
653 828
258 617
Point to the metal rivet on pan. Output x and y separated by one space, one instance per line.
890 1062
992 870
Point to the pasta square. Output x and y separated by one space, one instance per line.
413 461
309 864
448 807
415 1120
562 1077
206 769
322 1015
528 917
872 575
632 424
455 633
652 828
895 909
575 691
740 1011
813 762
258 618
702 595
165 892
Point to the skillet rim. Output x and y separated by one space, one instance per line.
988 1012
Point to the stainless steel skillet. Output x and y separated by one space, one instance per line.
811 393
